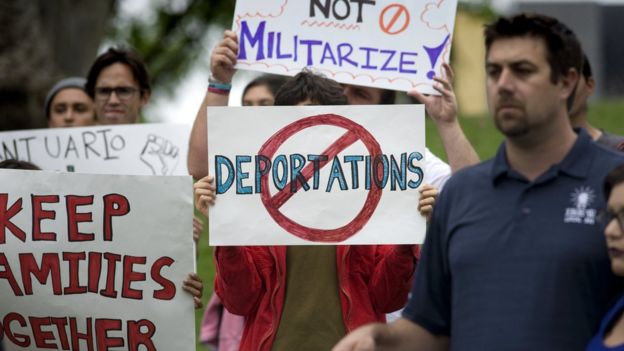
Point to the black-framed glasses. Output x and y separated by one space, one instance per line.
606 216
123 93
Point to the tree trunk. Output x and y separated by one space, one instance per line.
43 41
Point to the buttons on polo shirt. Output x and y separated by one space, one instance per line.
526 210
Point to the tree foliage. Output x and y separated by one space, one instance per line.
43 41
171 39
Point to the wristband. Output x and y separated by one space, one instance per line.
218 90
213 81
220 86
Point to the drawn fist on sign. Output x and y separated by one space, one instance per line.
160 155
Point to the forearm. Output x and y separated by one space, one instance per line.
198 143
459 152
406 335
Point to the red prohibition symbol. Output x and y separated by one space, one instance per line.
394 19
273 203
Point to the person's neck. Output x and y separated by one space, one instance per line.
580 121
533 154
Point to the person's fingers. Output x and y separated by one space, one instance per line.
202 186
448 71
207 179
426 193
443 91
229 34
425 210
193 285
204 202
198 224
426 203
191 289
206 198
207 192
417 95
429 194
198 302
226 53
197 229
425 187
223 60
230 44
443 82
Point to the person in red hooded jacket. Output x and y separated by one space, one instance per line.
308 297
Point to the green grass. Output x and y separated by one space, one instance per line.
480 130
206 270
608 115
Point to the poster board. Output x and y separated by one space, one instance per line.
398 45
132 149
95 261
303 175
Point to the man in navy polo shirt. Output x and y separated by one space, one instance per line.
514 258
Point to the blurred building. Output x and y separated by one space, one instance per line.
600 28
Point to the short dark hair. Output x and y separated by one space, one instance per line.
308 85
387 97
271 81
614 178
563 48
119 55
18 164
587 70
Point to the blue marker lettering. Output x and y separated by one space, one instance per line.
223 186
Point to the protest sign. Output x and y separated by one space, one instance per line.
314 175
133 149
95 262
397 45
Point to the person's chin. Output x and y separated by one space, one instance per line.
617 266
112 119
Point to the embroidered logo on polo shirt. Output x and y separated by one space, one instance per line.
582 198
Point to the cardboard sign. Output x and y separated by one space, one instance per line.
132 149
397 45
95 262
315 175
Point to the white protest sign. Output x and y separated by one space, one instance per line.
397 45
133 149
95 262
314 175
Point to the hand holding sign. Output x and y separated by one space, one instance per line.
223 58
194 286
160 155
441 108
428 195
205 193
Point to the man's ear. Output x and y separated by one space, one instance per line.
145 96
590 82
568 82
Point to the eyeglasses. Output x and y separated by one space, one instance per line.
123 93
606 216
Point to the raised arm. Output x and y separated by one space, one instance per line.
222 61
443 111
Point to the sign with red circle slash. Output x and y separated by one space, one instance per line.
316 175
273 203
394 19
